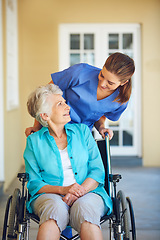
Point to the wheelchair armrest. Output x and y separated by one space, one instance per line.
114 177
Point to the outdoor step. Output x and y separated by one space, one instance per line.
126 161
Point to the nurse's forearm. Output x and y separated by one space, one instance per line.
36 124
89 184
100 126
100 123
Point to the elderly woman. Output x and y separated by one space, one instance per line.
66 173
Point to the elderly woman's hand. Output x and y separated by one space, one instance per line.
74 189
69 199
77 190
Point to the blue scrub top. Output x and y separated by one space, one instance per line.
79 85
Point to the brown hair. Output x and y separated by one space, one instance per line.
123 67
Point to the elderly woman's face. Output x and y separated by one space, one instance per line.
60 110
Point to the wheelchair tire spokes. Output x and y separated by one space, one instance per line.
122 213
13 215
124 217
132 218
5 224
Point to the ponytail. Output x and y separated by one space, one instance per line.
123 67
124 92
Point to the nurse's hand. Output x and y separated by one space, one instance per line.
36 127
31 130
102 131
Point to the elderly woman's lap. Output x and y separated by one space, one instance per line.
51 206
88 208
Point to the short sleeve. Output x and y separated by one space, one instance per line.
68 77
115 114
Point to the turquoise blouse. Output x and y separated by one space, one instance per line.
44 166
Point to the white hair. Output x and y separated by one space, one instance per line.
37 102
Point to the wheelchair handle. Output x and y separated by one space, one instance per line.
23 177
106 134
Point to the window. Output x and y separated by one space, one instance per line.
92 44
82 48
12 55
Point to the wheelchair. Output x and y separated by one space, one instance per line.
121 220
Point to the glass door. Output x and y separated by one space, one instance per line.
82 48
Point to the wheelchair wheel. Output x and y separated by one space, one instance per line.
5 224
132 219
13 215
124 216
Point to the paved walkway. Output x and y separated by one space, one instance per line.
142 185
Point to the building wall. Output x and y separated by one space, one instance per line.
12 124
38 57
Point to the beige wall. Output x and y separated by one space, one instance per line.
12 126
38 57
151 83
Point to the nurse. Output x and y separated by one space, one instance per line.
95 94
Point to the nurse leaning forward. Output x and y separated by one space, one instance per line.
95 94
